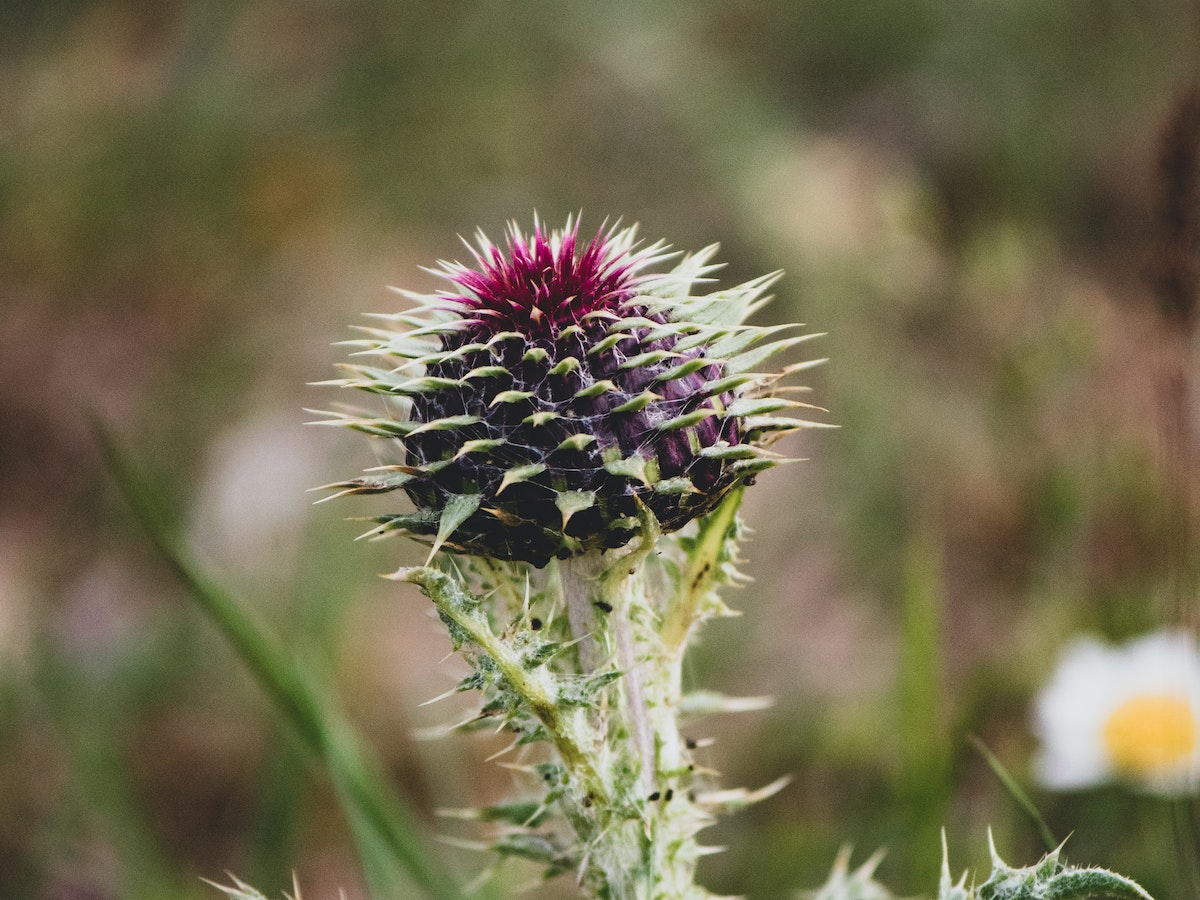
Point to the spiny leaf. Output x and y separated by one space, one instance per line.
387 428
698 335
687 368
365 486
577 441
569 331
680 485
541 653
947 888
449 423
607 343
846 885
426 385
648 359
738 339
519 474
422 521
750 359
703 703
672 329
728 383
239 890
441 328
687 419
584 690
638 403
502 336
540 418
596 389
486 372
737 799
528 814
569 364
745 467
1050 879
457 510
571 502
510 397
598 315
481 445
630 323
749 406
435 359
725 451
780 423
630 467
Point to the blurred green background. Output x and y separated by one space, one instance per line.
198 198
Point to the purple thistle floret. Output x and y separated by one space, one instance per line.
560 387
541 285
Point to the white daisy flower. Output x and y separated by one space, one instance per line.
1128 713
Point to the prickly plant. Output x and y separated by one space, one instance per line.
557 417
557 389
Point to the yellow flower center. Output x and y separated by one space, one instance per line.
1150 733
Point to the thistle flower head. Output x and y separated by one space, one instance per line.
557 387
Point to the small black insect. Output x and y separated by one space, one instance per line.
535 624
603 606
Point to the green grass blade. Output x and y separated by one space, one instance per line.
923 785
380 821
281 804
101 787
1014 789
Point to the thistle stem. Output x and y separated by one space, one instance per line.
459 608
589 584
577 580
613 615
626 774
635 700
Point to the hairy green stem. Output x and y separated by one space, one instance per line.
623 780
635 699
563 725
577 577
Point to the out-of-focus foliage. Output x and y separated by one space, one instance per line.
197 197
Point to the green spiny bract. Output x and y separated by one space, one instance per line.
844 884
1052 879
556 389
1049 879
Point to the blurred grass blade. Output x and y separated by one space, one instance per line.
85 715
920 689
924 782
384 829
1010 784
